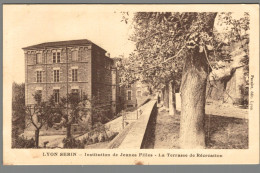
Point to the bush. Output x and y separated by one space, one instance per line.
72 143
22 142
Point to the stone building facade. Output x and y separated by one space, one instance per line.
135 94
63 67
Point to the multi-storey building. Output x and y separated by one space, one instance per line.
135 94
117 90
76 66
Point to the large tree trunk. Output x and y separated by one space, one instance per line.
69 131
163 96
166 96
193 94
36 135
172 100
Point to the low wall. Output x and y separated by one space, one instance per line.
133 136
178 101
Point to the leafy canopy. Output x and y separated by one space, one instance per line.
163 38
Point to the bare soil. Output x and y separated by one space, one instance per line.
222 131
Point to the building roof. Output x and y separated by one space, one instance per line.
61 43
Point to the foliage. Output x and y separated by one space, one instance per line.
180 47
99 134
41 114
72 143
235 34
74 108
18 109
22 142
162 40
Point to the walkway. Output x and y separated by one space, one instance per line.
226 128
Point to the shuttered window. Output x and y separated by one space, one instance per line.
74 55
56 93
74 75
56 57
129 95
56 75
38 58
39 76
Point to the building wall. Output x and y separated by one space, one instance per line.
118 93
102 83
47 67
133 101
114 105
137 98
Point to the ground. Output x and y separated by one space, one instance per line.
99 145
226 131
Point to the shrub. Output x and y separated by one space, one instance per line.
22 142
72 143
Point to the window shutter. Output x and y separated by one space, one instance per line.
60 75
52 75
69 55
43 76
35 80
62 56
34 56
80 55
70 75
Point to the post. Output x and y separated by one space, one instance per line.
123 120
172 100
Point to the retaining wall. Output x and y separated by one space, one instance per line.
135 135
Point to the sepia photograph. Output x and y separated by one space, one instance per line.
131 84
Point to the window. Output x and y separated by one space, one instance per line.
74 55
56 93
56 75
39 76
129 95
75 92
38 58
56 57
74 75
39 95
138 93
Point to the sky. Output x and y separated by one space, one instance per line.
28 25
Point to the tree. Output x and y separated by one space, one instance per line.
72 109
41 114
18 110
171 42
230 55
168 44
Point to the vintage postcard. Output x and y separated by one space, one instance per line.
130 84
